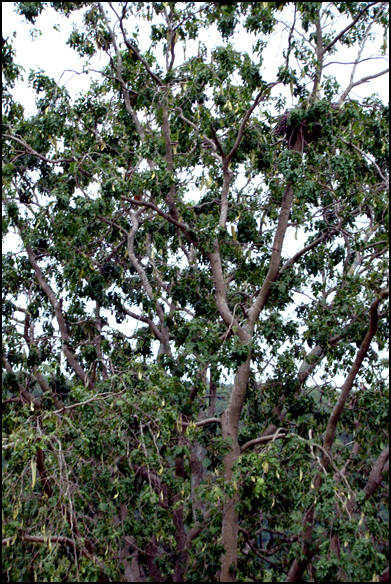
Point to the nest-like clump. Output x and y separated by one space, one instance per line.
301 127
297 132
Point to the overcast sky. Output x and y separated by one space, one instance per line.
50 52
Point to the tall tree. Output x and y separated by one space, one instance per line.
195 313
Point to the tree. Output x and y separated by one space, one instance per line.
235 428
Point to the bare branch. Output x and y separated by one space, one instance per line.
146 284
46 539
135 52
281 433
349 26
42 539
203 422
320 57
182 226
227 177
170 197
217 142
95 398
46 388
31 150
145 319
248 113
363 80
119 77
308 247
385 179
207 142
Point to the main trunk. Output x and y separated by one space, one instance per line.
230 425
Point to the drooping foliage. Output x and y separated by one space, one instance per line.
195 315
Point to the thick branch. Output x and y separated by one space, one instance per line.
347 386
221 298
227 177
197 528
375 477
71 358
313 357
272 274
145 319
43 474
203 422
46 388
217 142
319 56
42 539
146 284
170 197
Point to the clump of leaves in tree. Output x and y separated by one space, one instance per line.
195 310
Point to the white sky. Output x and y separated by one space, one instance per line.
51 53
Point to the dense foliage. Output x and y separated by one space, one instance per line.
195 312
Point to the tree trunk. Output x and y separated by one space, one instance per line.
230 425
180 534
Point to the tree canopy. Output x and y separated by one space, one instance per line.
195 313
